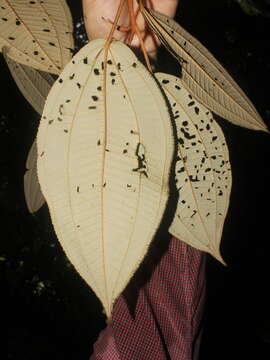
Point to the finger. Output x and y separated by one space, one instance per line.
94 13
96 10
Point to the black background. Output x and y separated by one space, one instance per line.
51 312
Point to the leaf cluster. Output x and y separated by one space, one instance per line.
110 133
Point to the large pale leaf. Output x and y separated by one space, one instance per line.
33 195
105 146
37 33
203 75
34 84
203 174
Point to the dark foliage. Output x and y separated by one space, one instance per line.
51 311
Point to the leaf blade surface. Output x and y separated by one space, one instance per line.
33 84
38 34
203 174
104 168
203 75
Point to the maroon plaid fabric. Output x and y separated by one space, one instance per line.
159 314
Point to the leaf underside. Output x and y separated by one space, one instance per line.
105 146
37 33
33 84
203 174
203 76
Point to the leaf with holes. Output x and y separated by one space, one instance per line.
37 33
203 174
203 75
105 147
33 195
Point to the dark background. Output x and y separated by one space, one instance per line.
51 312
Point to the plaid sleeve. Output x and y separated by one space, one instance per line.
158 316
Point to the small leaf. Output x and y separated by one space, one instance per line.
34 84
33 195
37 33
105 147
203 174
203 75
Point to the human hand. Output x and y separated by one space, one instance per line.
95 11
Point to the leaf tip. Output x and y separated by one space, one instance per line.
216 254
